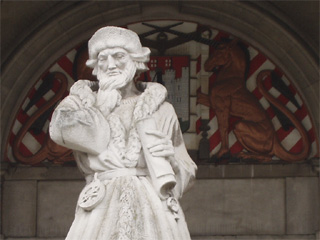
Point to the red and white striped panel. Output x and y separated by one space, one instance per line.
31 142
291 139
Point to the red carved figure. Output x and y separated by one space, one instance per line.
230 97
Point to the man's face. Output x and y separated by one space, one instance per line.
115 68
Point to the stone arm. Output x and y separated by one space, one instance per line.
183 166
79 127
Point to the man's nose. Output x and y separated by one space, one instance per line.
111 63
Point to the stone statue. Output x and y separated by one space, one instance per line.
128 144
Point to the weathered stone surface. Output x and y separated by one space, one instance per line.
214 238
35 238
19 208
277 237
56 207
43 173
244 237
302 205
256 237
207 171
231 207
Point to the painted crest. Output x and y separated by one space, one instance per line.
174 73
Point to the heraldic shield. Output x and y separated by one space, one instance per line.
174 73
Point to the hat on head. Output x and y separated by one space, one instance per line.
111 37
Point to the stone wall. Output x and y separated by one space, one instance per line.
226 202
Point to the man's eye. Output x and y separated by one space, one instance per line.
119 55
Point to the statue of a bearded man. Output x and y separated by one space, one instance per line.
128 144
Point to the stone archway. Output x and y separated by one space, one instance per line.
250 22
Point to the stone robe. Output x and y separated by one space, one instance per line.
110 146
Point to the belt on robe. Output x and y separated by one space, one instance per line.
120 172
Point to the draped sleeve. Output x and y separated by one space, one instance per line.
79 128
183 166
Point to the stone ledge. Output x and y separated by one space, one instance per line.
33 238
205 171
255 171
256 237
244 237
43 173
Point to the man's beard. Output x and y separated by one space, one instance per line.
118 81
109 94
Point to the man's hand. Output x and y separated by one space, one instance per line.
107 101
162 147
82 89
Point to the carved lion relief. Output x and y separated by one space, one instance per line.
230 97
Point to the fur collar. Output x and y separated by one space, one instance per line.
150 100
147 103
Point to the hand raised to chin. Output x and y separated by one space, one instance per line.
107 100
83 90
